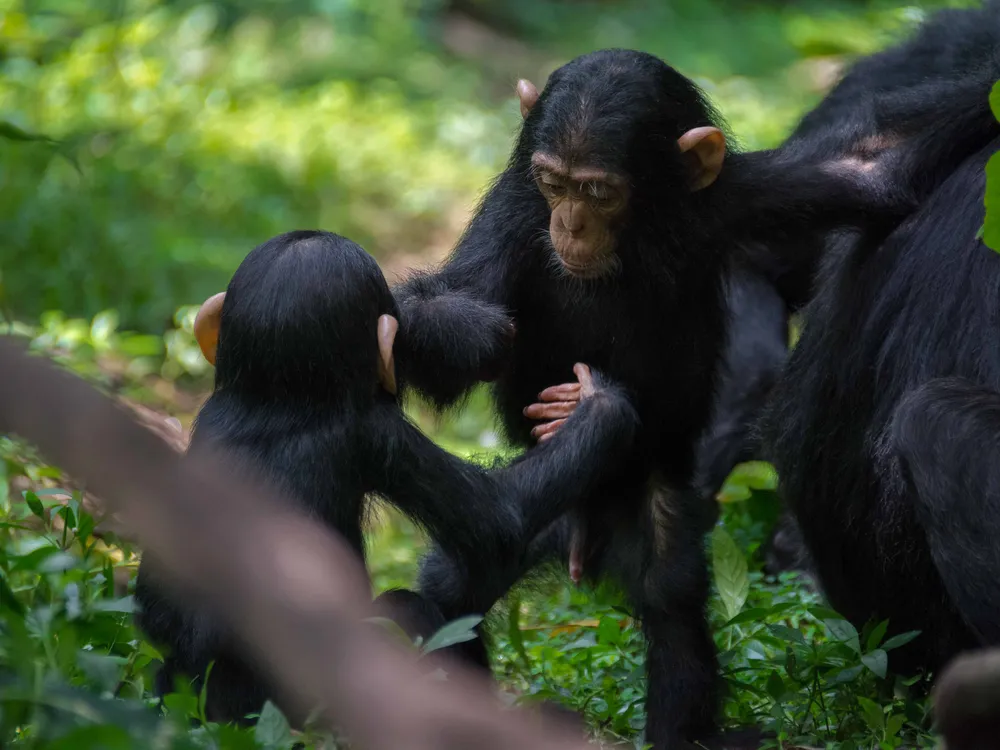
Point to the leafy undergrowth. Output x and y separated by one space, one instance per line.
75 674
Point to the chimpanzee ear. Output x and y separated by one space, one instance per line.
206 325
387 327
707 149
528 95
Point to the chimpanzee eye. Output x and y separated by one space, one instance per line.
604 197
550 188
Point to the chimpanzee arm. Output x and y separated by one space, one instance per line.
489 515
768 194
455 325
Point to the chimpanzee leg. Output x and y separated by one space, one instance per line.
458 589
670 589
416 615
947 436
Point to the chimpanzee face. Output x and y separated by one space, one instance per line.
586 207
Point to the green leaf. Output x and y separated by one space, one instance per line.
34 504
877 661
843 632
893 724
457 631
756 614
790 663
991 225
824 613
775 686
877 634
846 675
33 559
272 730
995 100
872 713
900 640
757 475
731 576
608 631
8 599
68 517
787 634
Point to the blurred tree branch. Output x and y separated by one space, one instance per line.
292 589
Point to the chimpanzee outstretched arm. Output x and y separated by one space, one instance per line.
946 436
483 519
475 511
455 324
769 194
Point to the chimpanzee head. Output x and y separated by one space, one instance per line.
307 314
615 134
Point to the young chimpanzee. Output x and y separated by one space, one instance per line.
606 240
305 394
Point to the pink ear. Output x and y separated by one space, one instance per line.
708 147
207 323
528 95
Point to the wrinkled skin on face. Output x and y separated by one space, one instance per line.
586 207
588 204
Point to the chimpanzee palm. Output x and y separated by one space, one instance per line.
305 394
605 240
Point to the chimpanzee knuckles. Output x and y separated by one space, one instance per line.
707 147
528 95
206 325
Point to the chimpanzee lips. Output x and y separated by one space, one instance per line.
595 269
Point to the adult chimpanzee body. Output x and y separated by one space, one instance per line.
605 241
305 395
883 455
755 351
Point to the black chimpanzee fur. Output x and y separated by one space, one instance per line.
658 325
882 424
298 400
756 349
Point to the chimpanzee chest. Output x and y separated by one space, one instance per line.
627 338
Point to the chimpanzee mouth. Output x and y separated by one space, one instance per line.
601 267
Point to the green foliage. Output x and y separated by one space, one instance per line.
196 143
149 145
991 227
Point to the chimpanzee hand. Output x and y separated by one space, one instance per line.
449 340
559 401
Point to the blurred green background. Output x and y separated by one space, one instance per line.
147 145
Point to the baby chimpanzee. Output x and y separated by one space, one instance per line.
305 394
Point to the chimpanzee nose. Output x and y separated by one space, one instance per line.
573 218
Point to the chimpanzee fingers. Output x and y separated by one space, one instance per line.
564 392
555 410
586 379
544 431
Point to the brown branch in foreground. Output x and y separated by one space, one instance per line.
292 589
